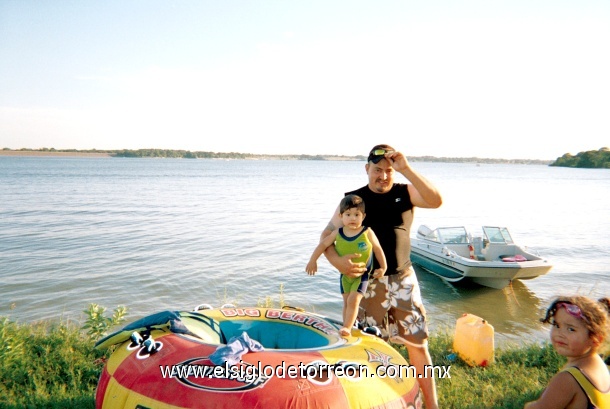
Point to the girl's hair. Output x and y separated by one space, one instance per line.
595 314
351 202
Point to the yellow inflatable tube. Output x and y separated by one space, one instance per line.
299 361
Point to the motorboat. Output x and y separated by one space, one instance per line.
492 260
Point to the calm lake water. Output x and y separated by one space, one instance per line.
156 234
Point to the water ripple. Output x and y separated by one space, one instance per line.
173 234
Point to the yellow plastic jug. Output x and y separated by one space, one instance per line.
474 340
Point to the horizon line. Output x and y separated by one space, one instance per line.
51 151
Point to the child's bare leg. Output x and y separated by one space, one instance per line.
351 301
345 302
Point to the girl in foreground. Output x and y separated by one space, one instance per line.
579 330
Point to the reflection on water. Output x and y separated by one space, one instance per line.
514 311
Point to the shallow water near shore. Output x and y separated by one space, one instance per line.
156 234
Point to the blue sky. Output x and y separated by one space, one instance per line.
496 79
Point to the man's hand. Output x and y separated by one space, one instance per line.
347 267
397 160
378 273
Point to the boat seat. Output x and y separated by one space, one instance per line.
517 257
460 249
424 231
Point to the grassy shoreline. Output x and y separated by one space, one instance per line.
54 365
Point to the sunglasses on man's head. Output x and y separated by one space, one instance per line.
376 155
379 152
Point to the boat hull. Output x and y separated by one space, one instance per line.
454 268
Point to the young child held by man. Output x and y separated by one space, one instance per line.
352 238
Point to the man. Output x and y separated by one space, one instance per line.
393 302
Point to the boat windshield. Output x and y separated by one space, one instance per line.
497 235
452 235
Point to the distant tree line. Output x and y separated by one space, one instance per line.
186 154
589 159
172 153
178 153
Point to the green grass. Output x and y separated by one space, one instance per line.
46 365
519 375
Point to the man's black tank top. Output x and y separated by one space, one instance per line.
390 216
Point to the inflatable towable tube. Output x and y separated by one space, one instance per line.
164 361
